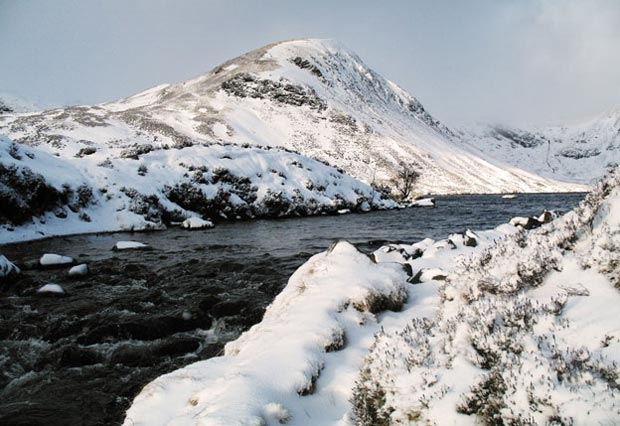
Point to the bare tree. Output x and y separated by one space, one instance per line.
406 177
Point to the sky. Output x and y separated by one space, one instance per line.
510 61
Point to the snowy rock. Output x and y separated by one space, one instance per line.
533 222
50 260
509 196
196 223
79 270
130 245
54 289
470 239
423 202
519 221
547 216
344 211
7 268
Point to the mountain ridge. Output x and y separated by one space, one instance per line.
310 96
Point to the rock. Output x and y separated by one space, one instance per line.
50 260
470 239
423 202
547 216
408 269
417 278
531 222
130 245
79 270
424 275
52 289
196 223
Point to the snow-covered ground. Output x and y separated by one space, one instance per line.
505 324
526 332
109 189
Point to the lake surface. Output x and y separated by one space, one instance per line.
81 358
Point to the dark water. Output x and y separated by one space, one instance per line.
80 359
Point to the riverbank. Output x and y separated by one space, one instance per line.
440 354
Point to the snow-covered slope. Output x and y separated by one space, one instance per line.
573 153
505 326
107 188
311 96
526 332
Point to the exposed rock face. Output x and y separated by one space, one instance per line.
247 85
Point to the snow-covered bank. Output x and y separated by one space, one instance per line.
526 333
43 195
315 334
498 326
263 374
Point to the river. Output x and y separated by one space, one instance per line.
80 359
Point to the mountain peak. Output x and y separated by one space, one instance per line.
312 96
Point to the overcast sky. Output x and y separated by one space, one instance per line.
513 61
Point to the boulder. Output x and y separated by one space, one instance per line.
51 260
51 289
79 270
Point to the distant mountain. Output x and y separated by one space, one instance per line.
313 97
572 153
11 103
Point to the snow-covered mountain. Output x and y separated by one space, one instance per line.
314 97
579 152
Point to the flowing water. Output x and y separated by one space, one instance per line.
79 359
